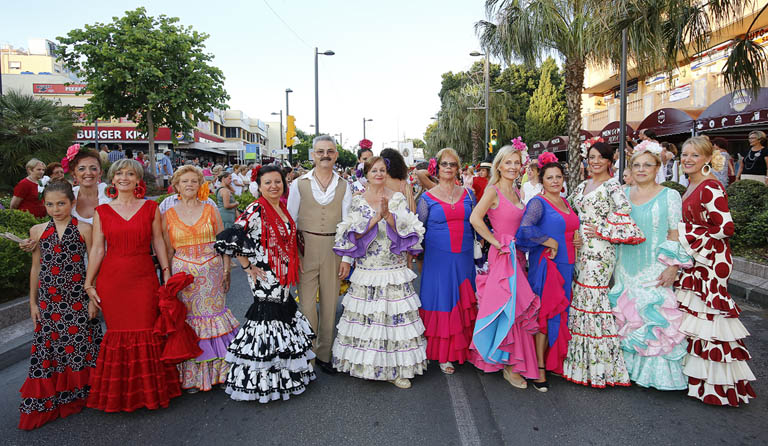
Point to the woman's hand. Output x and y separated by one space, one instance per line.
668 276
578 242
94 297
227 281
673 235
384 213
93 310
553 251
257 274
590 231
28 245
34 312
166 275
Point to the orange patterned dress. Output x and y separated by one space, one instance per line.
205 298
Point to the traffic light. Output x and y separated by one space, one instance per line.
490 147
494 137
290 130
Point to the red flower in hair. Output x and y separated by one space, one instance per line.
255 173
366 144
546 158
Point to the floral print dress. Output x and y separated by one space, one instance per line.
380 334
594 355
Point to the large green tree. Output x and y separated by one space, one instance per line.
546 113
589 31
150 69
31 128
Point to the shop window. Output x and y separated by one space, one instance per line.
14 65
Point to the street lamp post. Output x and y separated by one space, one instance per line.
282 145
317 95
364 121
287 112
486 79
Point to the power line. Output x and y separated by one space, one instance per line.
286 24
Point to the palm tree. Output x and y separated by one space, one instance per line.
31 127
585 32
463 128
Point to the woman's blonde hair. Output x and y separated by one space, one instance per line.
448 151
188 168
125 163
704 147
33 162
656 157
760 135
503 153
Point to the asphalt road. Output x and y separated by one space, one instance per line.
468 408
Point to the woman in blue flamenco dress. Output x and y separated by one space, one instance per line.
448 304
549 233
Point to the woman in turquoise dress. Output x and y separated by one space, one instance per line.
642 300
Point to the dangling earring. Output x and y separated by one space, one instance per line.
709 169
111 191
140 190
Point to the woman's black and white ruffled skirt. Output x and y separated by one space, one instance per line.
270 355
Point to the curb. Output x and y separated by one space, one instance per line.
750 293
16 354
14 311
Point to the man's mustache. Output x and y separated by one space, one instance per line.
325 159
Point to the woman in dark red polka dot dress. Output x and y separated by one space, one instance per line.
716 363
67 337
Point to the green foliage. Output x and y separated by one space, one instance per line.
676 186
346 158
546 113
149 69
31 128
15 263
748 202
244 200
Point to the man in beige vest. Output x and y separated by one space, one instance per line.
318 201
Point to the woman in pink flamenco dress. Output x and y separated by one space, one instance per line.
507 316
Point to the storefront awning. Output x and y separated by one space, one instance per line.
669 121
611 132
560 143
205 147
736 109
537 148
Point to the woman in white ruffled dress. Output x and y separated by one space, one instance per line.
380 334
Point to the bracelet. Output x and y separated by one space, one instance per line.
88 288
246 267
166 268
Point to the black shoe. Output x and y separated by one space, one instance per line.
542 386
326 367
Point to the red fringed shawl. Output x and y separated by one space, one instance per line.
279 242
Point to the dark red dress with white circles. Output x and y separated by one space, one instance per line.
716 363
66 343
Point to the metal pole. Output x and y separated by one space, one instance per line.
282 144
487 104
623 104
363 128
290 149
96 132
317 100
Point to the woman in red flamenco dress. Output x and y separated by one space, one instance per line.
129 373
716 363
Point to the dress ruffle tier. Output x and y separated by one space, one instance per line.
270 355
129 374
449 334
716 364
58 396
380 334
620 228
210 368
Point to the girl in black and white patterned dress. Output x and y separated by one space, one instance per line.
67 335
271 353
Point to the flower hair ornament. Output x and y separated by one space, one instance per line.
432 167
649 146
586 145
366 144
386 161
72 150
360 170
521 147
254 173
546 158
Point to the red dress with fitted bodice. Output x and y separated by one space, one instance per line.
129 374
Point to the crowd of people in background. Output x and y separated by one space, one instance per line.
618 282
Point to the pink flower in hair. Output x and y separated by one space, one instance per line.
366 144
521 147
546 158
71 152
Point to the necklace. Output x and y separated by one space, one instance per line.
450 199
750 160
320 183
